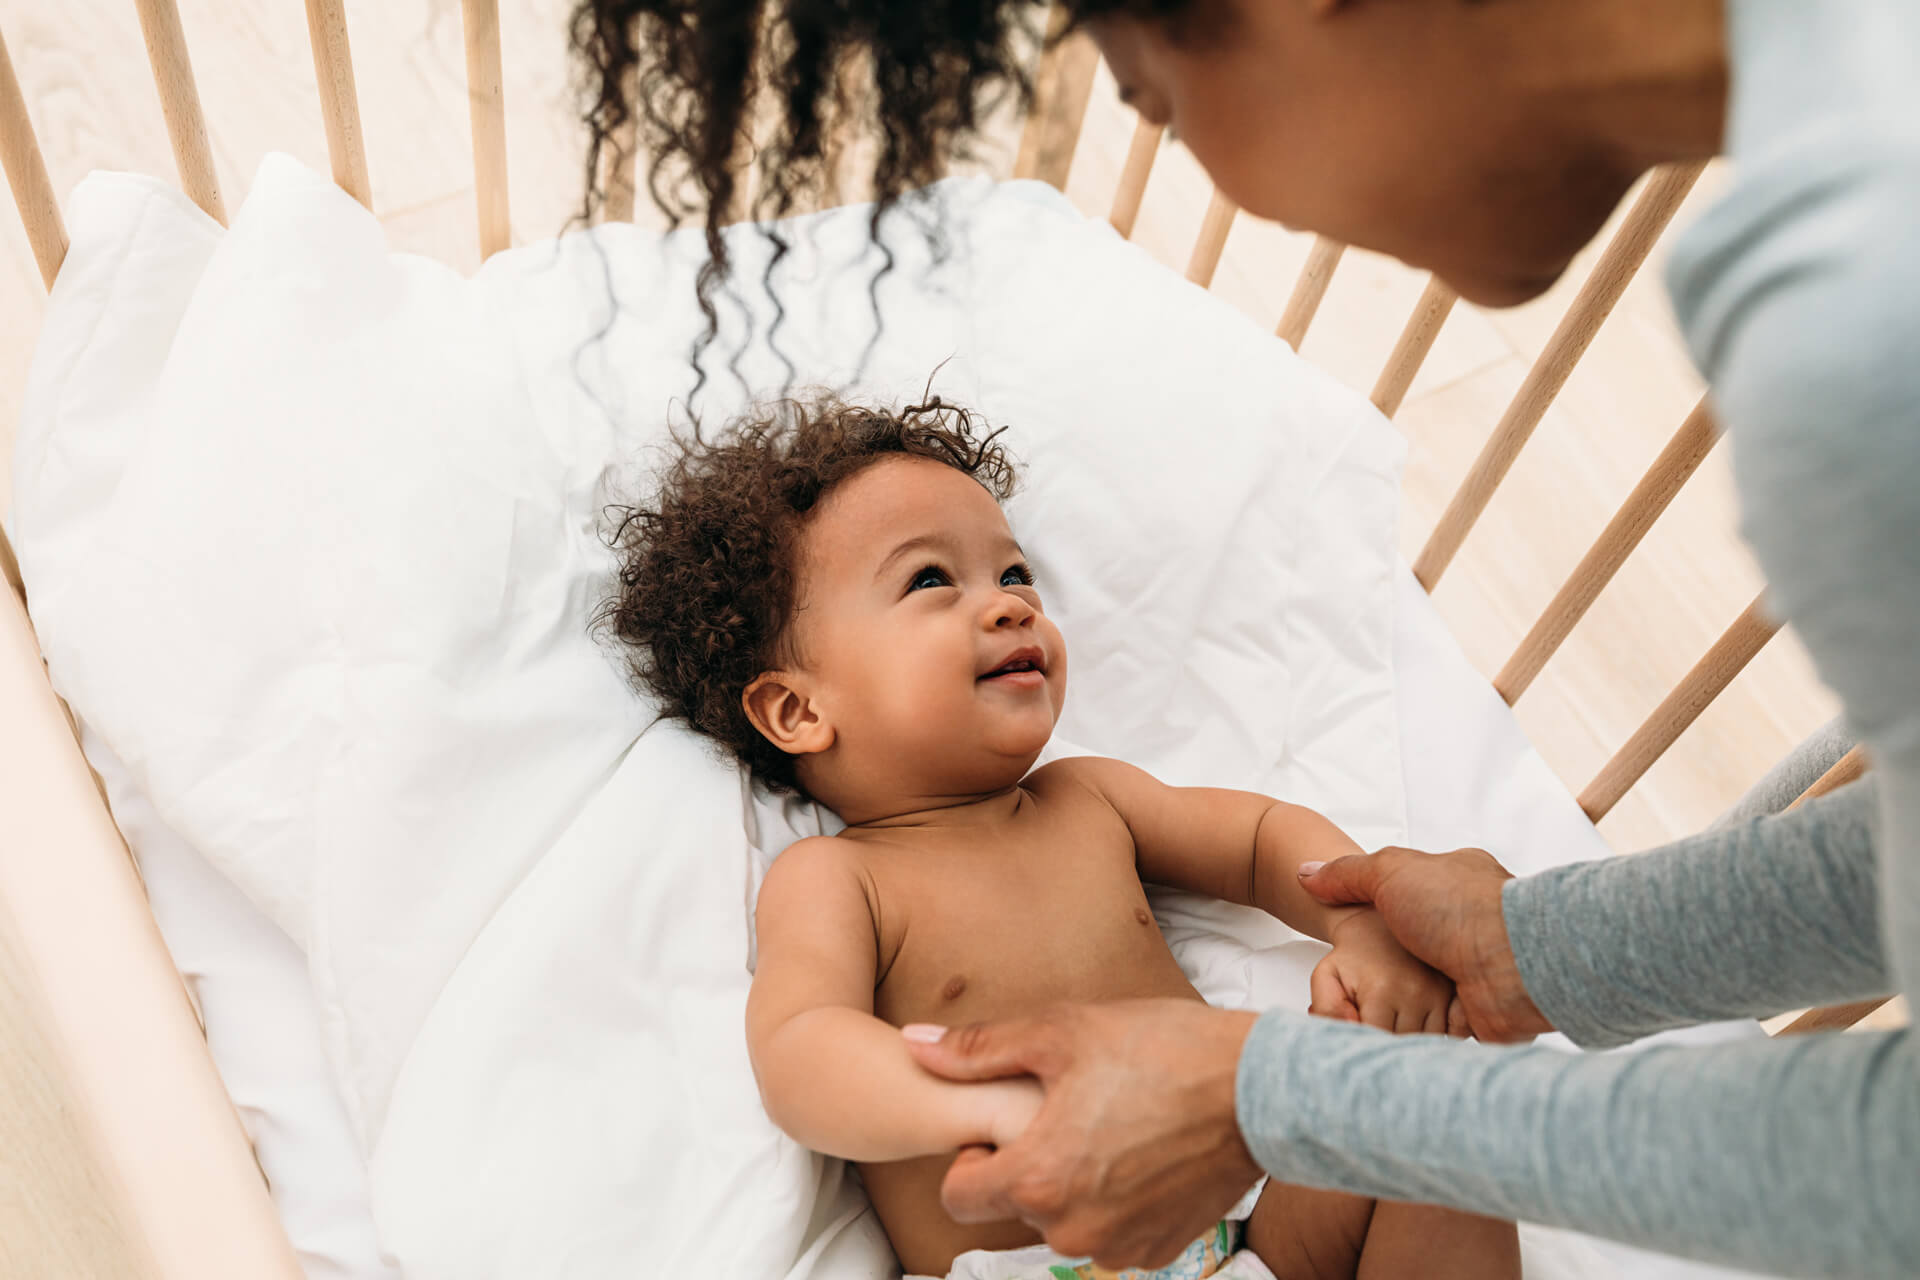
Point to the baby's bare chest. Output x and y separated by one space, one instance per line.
1049 912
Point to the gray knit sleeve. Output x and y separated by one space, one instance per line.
1773 914
1783 1156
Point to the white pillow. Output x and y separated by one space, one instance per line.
331 614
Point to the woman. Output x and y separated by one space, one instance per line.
1488 142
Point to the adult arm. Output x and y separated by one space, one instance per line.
1785 1156
1775 914
1745 921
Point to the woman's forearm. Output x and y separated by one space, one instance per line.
1775 914
1791 1157
841 1082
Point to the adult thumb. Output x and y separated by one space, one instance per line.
1351 879
983 1051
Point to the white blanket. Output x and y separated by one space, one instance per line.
311 534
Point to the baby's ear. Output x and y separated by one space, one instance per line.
778 704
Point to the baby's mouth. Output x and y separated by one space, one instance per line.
1023 666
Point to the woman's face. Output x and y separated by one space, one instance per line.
1402 127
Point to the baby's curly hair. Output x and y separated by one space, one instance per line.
708 571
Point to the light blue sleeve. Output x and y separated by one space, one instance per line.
1773 914
1792 1157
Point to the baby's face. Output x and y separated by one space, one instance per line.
921 633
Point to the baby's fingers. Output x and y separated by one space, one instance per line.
1458 1024
1330 998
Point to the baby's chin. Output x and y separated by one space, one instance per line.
992 768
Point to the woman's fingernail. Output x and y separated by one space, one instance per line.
924 1032
1308 868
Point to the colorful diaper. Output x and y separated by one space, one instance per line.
1217 1255
1210 1255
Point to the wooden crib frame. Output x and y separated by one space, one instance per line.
98 1038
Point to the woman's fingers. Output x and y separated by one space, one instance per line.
989 1050
1458 1024
1351 879
976 1186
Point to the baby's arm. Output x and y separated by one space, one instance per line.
832 1075
1247 848
1233 845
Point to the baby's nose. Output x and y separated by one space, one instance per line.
1010 611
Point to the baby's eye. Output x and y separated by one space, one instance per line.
931 576
1017 575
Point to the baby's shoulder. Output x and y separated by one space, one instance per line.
1099 778
815 866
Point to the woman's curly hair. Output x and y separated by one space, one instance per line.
708 570
704 84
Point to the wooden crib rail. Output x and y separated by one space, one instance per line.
1062 87
1621 258
1415 341
1662 483
1212 240
1308 291
134 1161
486 99
1132 187
339 101
26 170
180 104
1714 672
622 168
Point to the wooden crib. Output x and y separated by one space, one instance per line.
120 1152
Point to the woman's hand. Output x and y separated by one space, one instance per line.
1369 977
1445 909
1136 1150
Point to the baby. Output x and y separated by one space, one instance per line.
834 595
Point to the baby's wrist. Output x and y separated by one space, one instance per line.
1002 1109
1352 920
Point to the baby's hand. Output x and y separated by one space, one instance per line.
1368 977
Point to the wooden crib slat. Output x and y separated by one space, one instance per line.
487 106
1714 672
1833 1017
1141 153
1670 471
339 100
1308 290
1850 767
1410 352
1611 274
622 166
180 104
1062 87
26 172
1212 240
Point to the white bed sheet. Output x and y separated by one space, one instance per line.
1471 778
